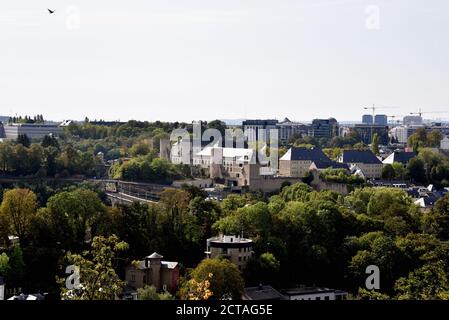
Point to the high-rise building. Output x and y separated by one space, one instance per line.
367 119
367 131
324 128
381 119
288 129
412 120
258 129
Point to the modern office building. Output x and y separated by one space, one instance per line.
367 131
288 129
33 131
235 248
258 129
324 128
367 119
412 120
381 119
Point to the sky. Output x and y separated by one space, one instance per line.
184 60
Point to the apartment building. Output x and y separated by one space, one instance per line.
235 248
296 161
288 129
324 128
364 160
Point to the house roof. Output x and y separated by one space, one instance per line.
22 296
401 157
359 156
300 153
320 164
262 293
155 255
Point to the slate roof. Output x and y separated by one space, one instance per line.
401 157
330 164
300 153
262 293
359 156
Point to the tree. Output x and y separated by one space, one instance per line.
99 281
429 282
218 125
434 138
140 149
375 144
416 171
196 290
388 172
224 276
150 293
17 210
50 141
23 140
4 264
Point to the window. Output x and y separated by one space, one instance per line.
240 259
133 277
318 298
240 249
326 298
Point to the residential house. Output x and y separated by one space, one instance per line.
153 271
297 161
400 157
363 160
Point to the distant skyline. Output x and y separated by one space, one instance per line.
187 60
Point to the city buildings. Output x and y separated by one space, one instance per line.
367 119
297 160
152 270
33 131
324 128
364 160
258 129
288 129
399 156
381 119
367 131
412 120
235 248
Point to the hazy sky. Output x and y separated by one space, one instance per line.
190 59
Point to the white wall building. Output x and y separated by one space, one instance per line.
33 131
444 144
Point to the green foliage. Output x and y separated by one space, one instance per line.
226 281
150 293
298 192
99 280
340 176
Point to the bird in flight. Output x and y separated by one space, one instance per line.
51 11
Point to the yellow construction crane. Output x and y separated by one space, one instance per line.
420 112
374 108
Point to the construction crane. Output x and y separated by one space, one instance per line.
374 108
393 117
420 112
